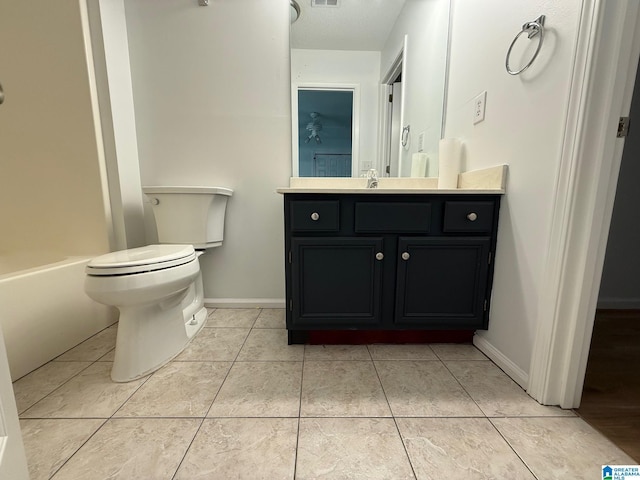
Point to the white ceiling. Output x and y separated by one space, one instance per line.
354 25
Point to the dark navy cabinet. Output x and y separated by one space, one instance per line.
442 282
389 261
336 282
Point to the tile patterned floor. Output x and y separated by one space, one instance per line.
239 403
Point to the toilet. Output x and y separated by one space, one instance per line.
158 288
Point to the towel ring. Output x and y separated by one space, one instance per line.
531 29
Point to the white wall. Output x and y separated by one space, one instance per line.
113 79
523 127
51 190
426 23
212 102
346 67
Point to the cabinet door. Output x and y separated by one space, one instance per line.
336 282
442 282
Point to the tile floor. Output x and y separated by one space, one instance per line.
239 403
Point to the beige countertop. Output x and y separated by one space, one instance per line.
485 181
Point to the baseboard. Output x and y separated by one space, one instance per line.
244 302
612 303
515 372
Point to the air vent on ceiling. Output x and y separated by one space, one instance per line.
325 3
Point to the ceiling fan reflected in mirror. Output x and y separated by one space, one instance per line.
313 127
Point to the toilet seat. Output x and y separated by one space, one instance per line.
141 260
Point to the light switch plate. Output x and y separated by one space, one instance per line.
479 105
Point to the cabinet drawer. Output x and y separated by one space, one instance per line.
468 217
392 217
315 216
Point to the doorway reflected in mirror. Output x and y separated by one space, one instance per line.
325 132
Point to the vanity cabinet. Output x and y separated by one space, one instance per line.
389 261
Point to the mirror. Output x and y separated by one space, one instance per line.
368 83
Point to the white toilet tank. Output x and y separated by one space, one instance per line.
189 215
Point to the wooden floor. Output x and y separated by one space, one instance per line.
611 395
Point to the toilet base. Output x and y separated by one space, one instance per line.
151 336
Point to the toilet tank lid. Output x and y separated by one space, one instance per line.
185 189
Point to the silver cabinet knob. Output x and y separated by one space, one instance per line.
379 256
315 216
405 255
472 216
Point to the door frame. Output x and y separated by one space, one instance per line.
13 460
607 51
398 67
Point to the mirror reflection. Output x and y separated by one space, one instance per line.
333 156
368 82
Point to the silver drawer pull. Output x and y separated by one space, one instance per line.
405 255
315 216
379 256
472 216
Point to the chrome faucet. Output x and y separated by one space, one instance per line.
372 178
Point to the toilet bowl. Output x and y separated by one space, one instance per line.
158 291
158 288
